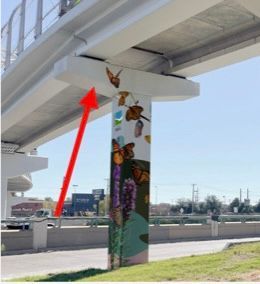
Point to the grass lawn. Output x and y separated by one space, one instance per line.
238 263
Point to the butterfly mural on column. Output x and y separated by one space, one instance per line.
116 215
121 154
114 79
123 95
140 175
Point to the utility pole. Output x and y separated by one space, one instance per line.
240 198
196 195
193 197
247 193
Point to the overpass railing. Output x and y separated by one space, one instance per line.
26 223
26 23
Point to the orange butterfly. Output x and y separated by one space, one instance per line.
134 113
122 98
114 79
147 138
140 175
121 154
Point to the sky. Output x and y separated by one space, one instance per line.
212 140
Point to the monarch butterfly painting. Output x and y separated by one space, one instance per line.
140 175
134 113
147 138
123 96
121 154
114 79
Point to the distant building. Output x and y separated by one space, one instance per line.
162 209
26 209
67 209
83 202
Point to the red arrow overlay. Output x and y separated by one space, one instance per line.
88 102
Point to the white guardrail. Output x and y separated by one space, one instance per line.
27 22
26 223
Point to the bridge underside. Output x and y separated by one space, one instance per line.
162 37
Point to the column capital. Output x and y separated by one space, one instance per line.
85 73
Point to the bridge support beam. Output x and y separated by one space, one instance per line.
14 165
130 180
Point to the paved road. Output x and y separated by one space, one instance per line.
61 261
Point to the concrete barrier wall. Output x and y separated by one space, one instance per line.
94 237
176 232
17 240
79 236
238 229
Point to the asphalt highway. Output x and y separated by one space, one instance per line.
13 266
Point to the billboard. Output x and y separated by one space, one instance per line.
98 194
82 202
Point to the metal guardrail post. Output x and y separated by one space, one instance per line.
59 223
9 38
63 7
38 25
8 43
20 47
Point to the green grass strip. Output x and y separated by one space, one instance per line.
238 263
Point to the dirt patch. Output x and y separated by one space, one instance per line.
252 276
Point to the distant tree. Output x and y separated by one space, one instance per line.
257 207
241 208
48 203
245 208
201 208
234 203
213 204
185 204
48 199
103 206
175 209
68 199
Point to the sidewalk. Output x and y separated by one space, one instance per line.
14 266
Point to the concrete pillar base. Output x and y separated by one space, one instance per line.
40 234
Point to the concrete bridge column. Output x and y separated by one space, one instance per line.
3 196
13 165
131 92
130 180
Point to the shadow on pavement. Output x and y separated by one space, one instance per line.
71 276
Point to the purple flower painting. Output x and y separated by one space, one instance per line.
128 198
116 196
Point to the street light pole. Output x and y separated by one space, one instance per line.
106 196
75 185
193 197
75 209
